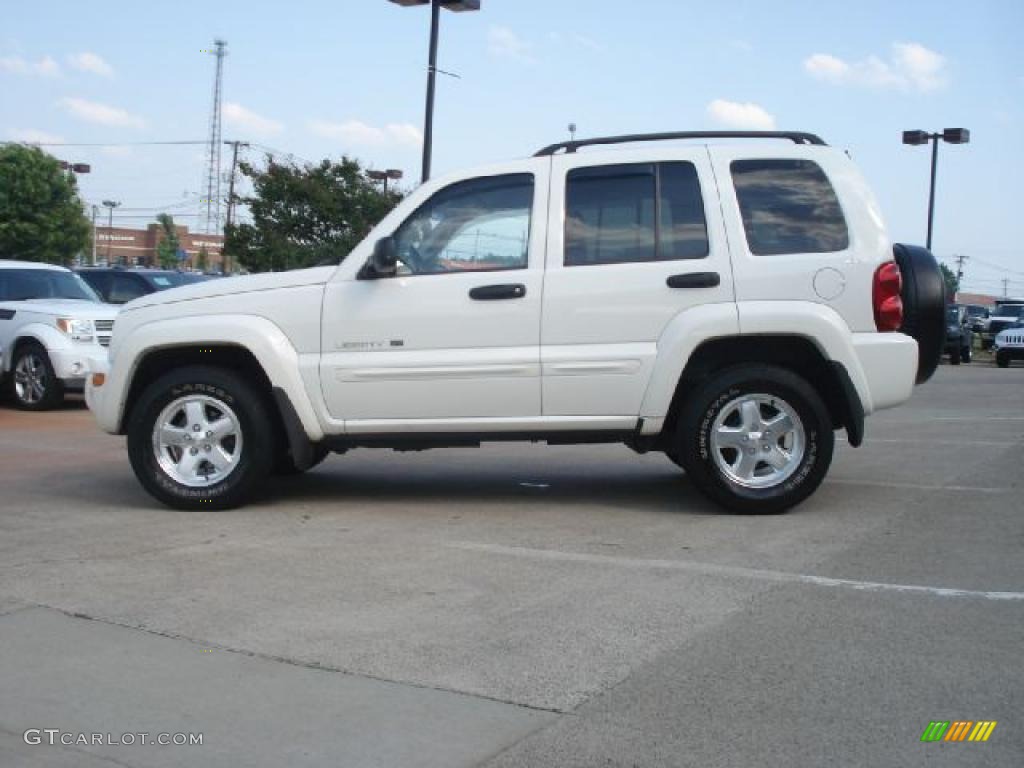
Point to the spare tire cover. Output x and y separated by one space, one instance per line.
924 305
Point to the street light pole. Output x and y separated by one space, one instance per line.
435 19
949 135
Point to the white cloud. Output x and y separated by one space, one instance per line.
101 114
90 62
911 66
734 114
588 42
46 66
33 136
502 41
358 132
237 115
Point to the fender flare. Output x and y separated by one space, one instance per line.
259 336
821 325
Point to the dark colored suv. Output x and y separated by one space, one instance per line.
119 286
959 338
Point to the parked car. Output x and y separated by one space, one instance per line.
730 304
51 324
1003 316
959 337
1009 345
119 285
977 315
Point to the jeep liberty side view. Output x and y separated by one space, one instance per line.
731 299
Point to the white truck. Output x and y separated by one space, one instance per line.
731 299
51 325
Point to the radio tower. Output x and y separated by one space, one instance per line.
212 199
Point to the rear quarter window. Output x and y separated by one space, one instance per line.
788 206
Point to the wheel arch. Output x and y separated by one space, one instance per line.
254 345
795 353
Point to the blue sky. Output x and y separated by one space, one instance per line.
320 78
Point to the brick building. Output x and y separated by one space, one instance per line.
137 247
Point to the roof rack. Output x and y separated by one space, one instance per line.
796 137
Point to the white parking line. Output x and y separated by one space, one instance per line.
930 441
727 570
919 486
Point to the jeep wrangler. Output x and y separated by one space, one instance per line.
732 304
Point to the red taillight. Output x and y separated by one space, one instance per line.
885 297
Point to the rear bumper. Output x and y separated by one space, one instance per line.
888 364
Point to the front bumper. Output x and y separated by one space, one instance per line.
72 365
98 397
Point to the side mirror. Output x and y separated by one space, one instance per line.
383 262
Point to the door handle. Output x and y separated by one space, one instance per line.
494 292
694 280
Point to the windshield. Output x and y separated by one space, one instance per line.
25 284
1009 310
976 311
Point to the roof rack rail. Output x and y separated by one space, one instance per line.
796 137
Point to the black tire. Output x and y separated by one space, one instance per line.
966 355
1002 360
954 356
285 466
22 391
924 305
694 443
255 454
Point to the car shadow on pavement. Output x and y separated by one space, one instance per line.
666 492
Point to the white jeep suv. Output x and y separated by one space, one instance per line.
729 304
51 324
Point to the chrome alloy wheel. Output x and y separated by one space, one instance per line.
758 440
197 440
30 378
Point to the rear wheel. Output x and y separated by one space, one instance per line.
756 439
965 354
34 383
954 356
201 438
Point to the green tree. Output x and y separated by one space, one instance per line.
203 259
167 248
952 281
304 215
41 217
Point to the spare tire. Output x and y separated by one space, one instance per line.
924 305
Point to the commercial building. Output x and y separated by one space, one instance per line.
138 247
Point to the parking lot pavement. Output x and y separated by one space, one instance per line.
538 605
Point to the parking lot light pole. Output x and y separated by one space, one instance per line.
390 173
950 136
435 18
110 205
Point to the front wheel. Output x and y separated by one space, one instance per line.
34 383
1002 360
201 438
756 439
954 356
965 354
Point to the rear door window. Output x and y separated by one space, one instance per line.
635 212
788 206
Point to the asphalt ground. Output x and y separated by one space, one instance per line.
522 605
